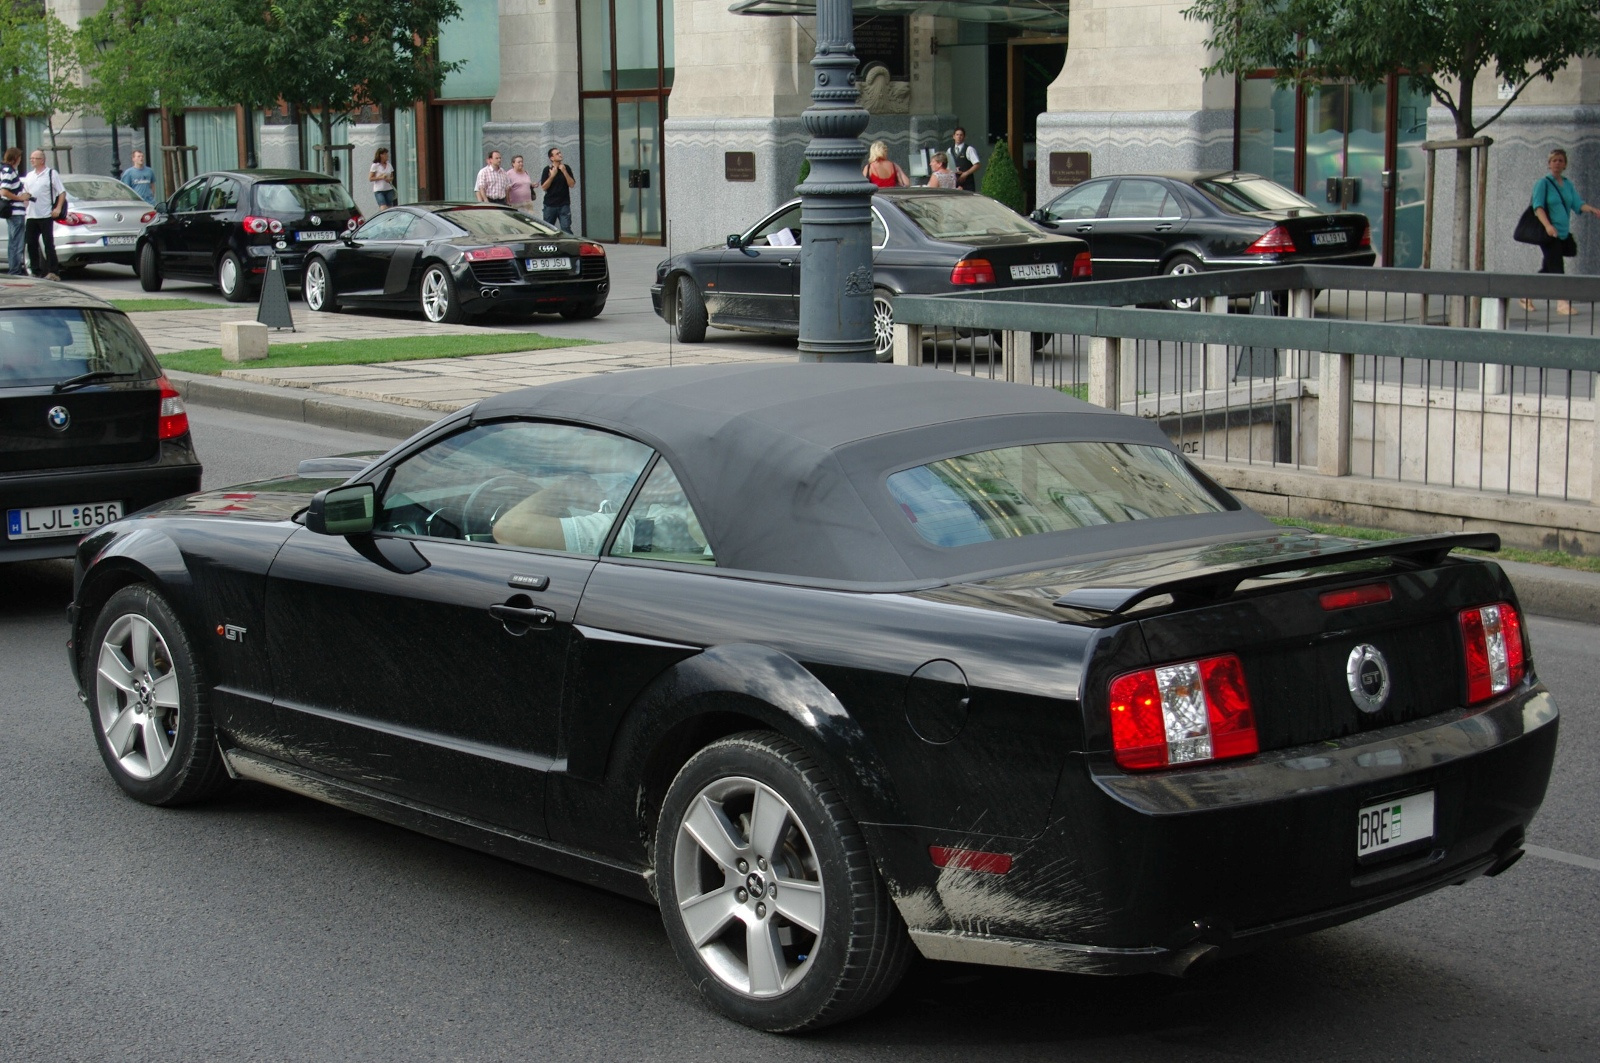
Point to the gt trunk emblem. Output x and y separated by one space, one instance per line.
58 418
1367 675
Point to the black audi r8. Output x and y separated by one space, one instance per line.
1146 225
925 241
459 260
835 663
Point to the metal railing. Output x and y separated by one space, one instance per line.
1337 369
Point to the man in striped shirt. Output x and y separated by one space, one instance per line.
11 208
493 183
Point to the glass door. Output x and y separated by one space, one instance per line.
639 171
1344 159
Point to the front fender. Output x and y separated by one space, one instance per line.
111 559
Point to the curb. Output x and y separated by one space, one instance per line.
1561 593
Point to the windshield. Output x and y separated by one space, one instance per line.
46 345
953 217
1045 487
87 188
298 197
1249 193
495 223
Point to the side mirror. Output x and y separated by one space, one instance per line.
342 510
1042 218
735 240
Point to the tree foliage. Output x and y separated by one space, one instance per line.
39 56
1001 181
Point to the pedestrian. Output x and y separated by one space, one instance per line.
1555 202
46 197
941 176
520 191
141 178
12 206
492 181
964 160
556 180
881 170
381 175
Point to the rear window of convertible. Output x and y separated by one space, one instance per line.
1046 487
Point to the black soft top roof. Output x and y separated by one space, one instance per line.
784 464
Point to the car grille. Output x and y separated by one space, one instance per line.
501 272
593 267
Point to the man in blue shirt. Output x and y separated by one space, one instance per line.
141 178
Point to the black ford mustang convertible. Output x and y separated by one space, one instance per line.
835 663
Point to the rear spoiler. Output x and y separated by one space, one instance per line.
1216 583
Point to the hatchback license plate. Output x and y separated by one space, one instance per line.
42 522
1325 239
1397 822
546 265
114 241
315 234
1042 271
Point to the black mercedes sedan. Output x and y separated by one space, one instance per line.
90 428
836 664
458 260
1143 225
222 227
925 241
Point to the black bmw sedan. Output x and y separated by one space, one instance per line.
924 242
1143 225
835 664
458 260
220 228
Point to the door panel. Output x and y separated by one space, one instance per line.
1142 220
639 171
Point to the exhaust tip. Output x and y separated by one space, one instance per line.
1505 862
490 293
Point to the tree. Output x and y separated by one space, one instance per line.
1444 45
1000 179
40 57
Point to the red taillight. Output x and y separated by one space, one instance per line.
349 226
258 225
1369 594
1275 240
147 217
972 271
174 418
1182 714
74 218
591 250
1491 638
1083 267
970 860
1366 236
489 254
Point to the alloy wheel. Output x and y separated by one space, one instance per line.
137 696
435 295
1184 269
882 326
316 285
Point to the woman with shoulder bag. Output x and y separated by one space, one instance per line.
1555 203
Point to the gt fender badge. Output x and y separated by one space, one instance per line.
231 632
1367 674
58 418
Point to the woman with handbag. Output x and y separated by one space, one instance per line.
1555 203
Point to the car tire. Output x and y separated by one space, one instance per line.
690 319
149 269
232 279
846 946
583 311
317 289
883 324
439 302
148 702
1183 265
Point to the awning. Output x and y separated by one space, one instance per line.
1039 15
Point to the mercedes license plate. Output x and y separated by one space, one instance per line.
1040 272
315 234
1329 238
116 241
1392 823
42 522
545 265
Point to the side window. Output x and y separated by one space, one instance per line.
390 225
781 231
1081 202
661 525
1142 199
187 198
224 195
518 483
880 232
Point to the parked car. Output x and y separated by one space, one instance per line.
1144 225
458 260
90 429
924 241
834 663
103 222
222 227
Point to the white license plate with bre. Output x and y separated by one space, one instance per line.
1397 822
43 522
118 241
1325 239
315 235
1040 272
545 265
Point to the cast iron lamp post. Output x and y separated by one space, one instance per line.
836 202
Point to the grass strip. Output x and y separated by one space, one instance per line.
288 355
1552 558
143 306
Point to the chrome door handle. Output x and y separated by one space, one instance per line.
1163 227
1085 228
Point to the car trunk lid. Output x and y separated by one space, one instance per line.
103 425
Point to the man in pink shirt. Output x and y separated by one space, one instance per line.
493 182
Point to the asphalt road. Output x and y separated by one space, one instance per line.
267 926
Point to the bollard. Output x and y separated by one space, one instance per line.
243 341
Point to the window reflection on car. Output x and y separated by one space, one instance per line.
958 217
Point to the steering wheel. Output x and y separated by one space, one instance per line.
467 529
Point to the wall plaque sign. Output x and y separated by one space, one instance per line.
1069 167
739 165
